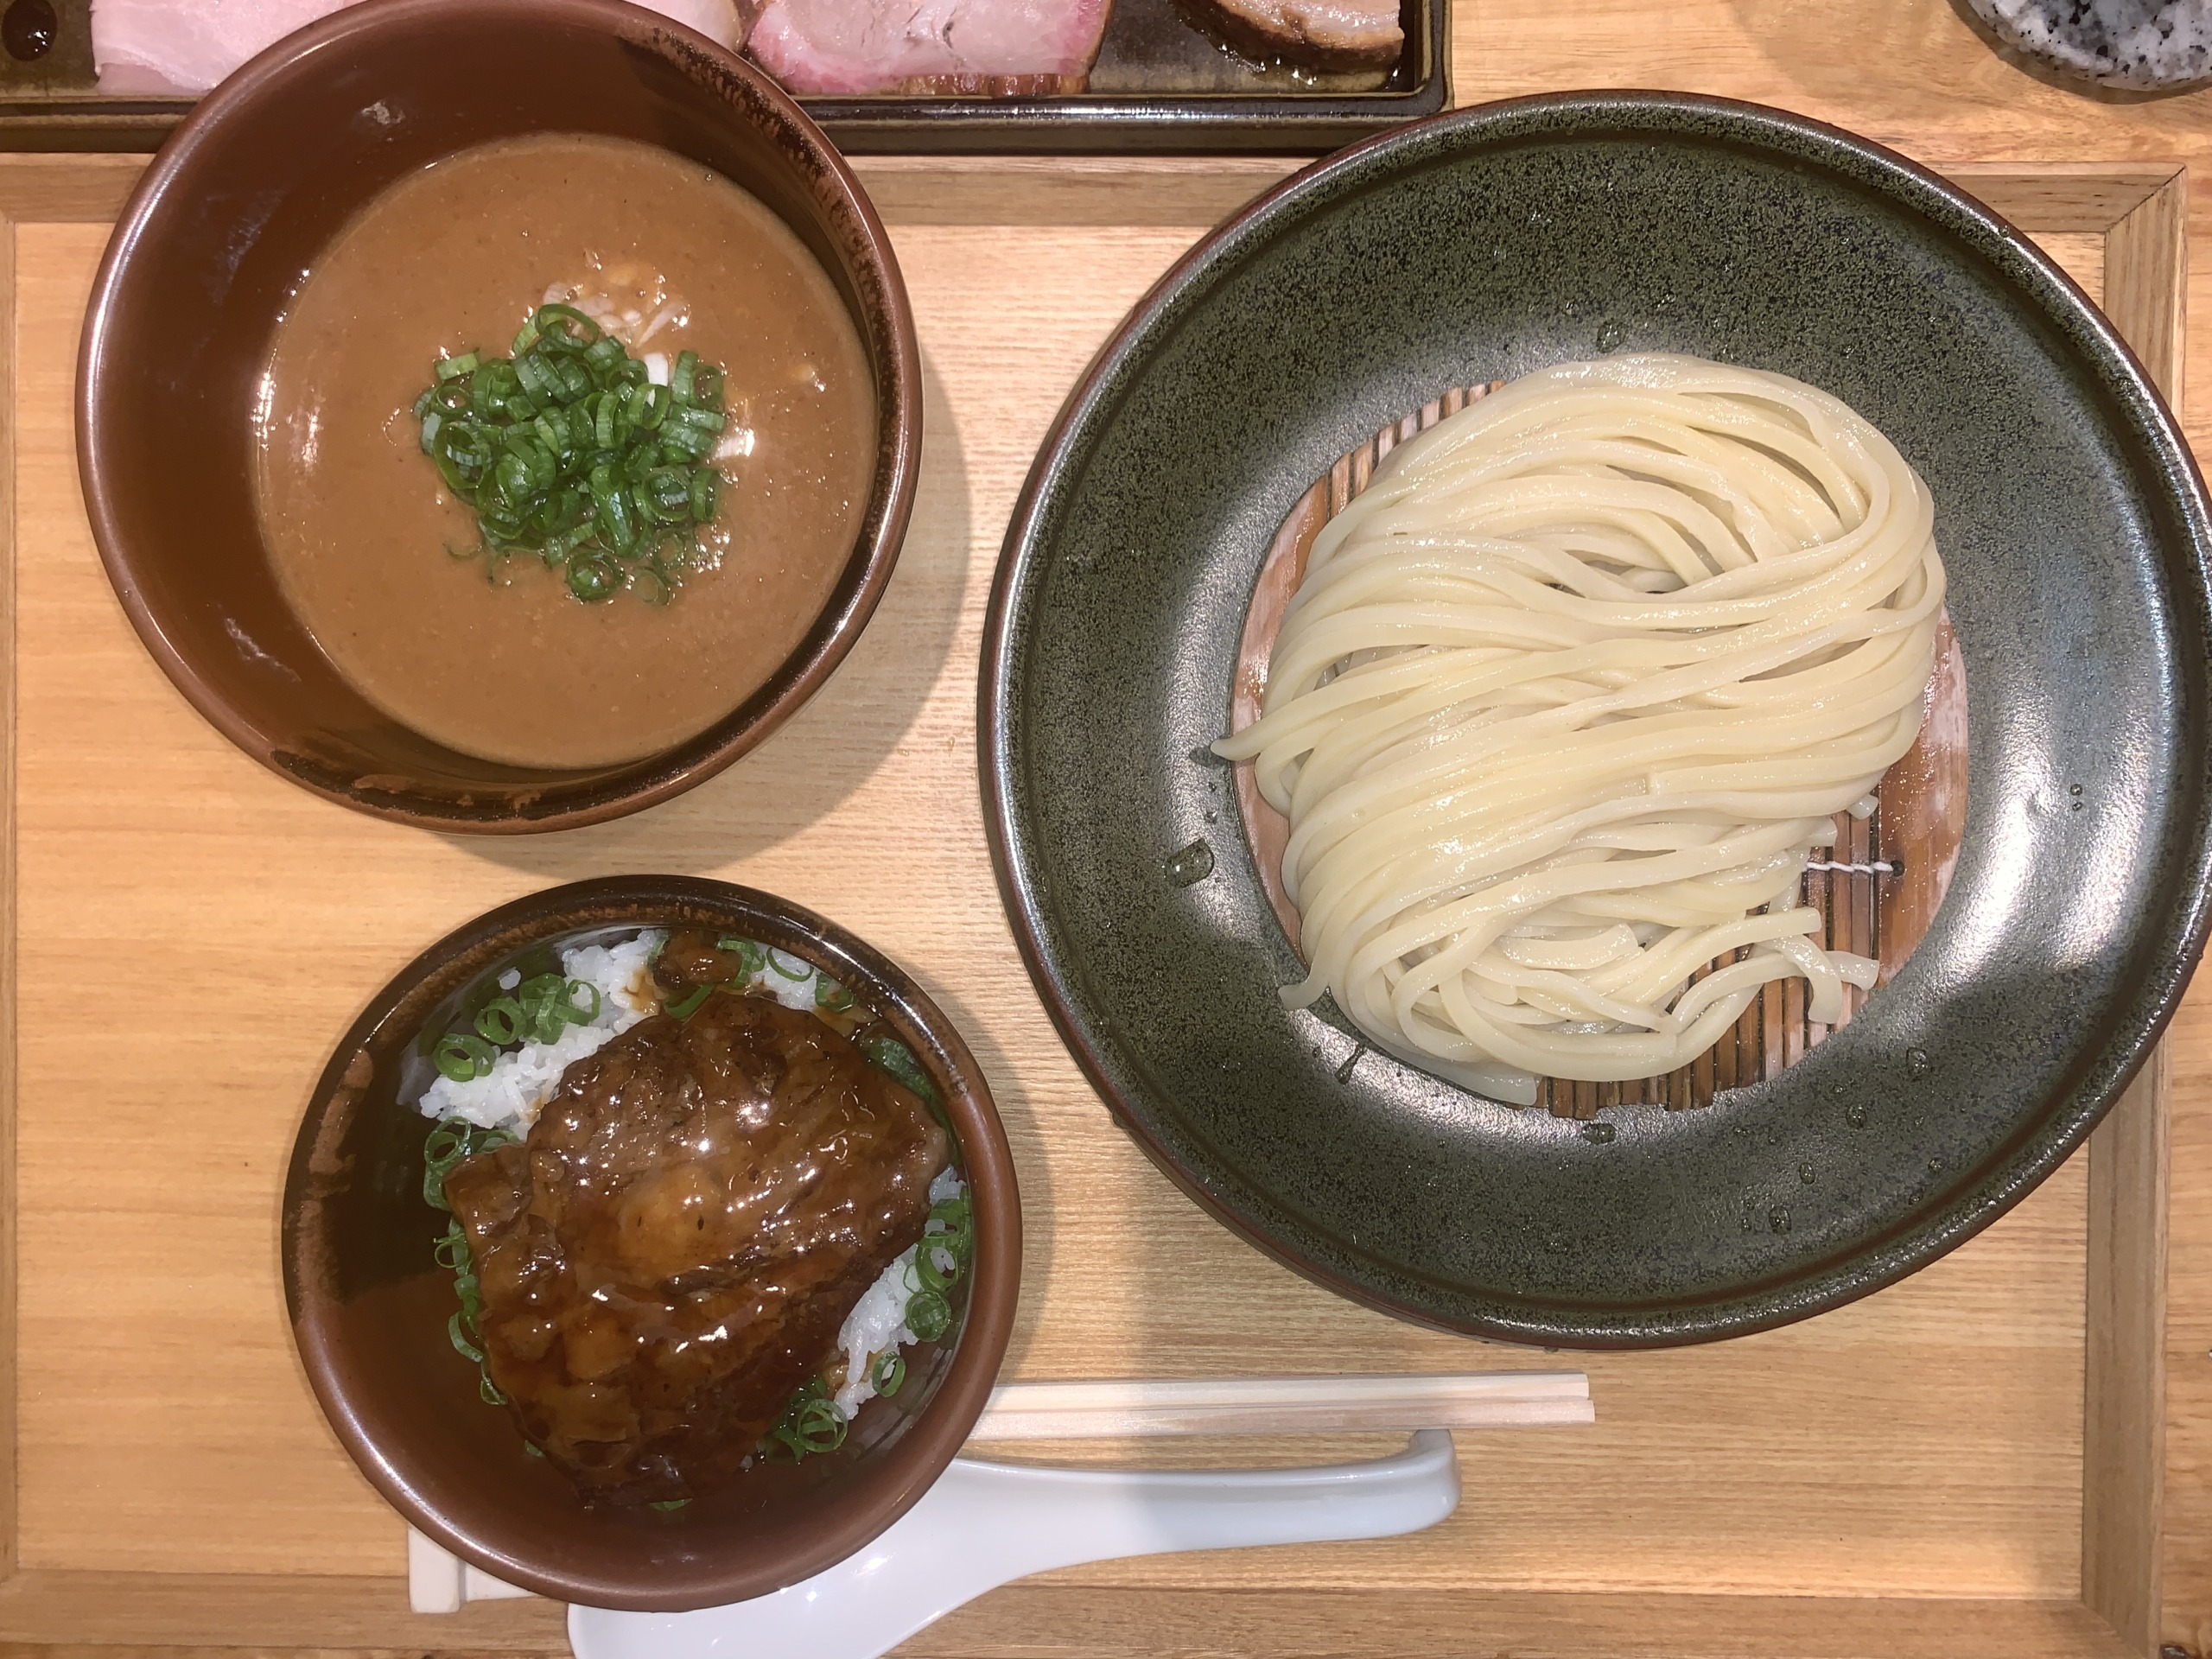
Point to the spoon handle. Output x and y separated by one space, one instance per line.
985 1524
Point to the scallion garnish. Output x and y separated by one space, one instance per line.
830 995
948 1247
886 1053
567 449
928 1316
462 1057
501 1020
812 1423
452 1143
684 1007
788 966
750 952
536 1011
890 1372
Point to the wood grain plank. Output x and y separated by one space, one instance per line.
1067 190
260 1613
2186 1557
2075 197
109 1617
9 321
1026 1621
2147 283
66 189
2123 1435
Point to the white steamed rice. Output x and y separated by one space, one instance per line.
877 1324
512 1093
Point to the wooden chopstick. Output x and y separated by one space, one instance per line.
1282 1405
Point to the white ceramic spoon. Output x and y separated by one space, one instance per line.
984 1524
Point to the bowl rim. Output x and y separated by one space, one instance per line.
1657 116
659 778
933 1439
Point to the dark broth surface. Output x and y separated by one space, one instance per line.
358 523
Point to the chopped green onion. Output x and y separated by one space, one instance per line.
689 1006
750 952
569 330
668 1505
467 1349
451 1252
823 1425
812 1423
890 1372
928 1316
789 966
949 1232
463 1057
925 1268
453 1142
567 450
590 1011
592 578
501 1020
548 1002
887 1054
829 994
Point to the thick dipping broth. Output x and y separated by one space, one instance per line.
496 656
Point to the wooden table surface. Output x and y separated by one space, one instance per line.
1911 74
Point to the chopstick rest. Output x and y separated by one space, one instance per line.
1032 1514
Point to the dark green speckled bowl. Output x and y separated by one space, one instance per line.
1480 245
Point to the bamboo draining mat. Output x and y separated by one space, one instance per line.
1924 1443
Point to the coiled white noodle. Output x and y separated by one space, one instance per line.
1566 698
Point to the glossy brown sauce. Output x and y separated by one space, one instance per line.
671 1251
358 522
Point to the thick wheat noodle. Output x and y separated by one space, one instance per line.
1566 698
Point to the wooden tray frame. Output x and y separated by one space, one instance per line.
2139 211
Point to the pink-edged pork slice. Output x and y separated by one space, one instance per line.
997 48
1314 33
168 47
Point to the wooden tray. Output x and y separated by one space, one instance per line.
1905 1475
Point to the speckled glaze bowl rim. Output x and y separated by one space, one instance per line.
1656 117
927 1445
829 178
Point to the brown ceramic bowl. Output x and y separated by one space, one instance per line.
218 234
369 1305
